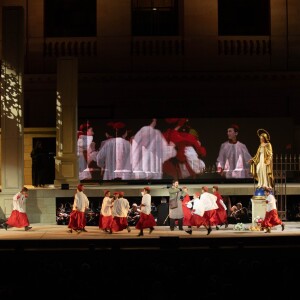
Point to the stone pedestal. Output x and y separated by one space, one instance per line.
258 205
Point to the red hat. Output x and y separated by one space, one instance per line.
106 192
205 188
182 121
116 193
116 125
84 127
178 121
80 187
171 120
197 194
235 127
121 194
147 189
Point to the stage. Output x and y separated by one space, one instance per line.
57 237
43 202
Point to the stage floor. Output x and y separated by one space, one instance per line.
56 237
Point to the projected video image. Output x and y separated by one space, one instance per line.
182 148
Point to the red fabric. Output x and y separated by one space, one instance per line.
271 219
221 213
210 217
187 213
181 140
145 221
197 221
77 220
118 224
105 222
18 219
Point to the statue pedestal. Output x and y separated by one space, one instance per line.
258 208
259 205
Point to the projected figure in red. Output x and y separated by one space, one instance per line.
188 148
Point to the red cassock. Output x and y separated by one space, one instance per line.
187 213
145 221
271 219
221 213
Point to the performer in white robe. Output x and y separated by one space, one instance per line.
86 151
119 212
114 158
81 203
204 210
233 158
18 217
149 151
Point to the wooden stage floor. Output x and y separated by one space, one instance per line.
54 236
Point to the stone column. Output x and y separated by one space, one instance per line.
12 123
66 160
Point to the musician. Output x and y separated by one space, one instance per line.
239 214
133 215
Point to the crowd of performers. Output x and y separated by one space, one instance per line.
148 154
204 208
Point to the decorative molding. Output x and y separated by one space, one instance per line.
169 76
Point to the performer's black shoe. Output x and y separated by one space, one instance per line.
70 231
181 229
27 228
5 226
189 231
151 229
141 233
128 229
209 230
84 230
282 226
226 225
172 229
217 227
268 230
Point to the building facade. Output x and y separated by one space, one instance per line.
103 58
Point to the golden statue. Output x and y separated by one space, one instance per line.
262 163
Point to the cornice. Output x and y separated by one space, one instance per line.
171 76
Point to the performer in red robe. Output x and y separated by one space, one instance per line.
187 211
221 212
174 166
